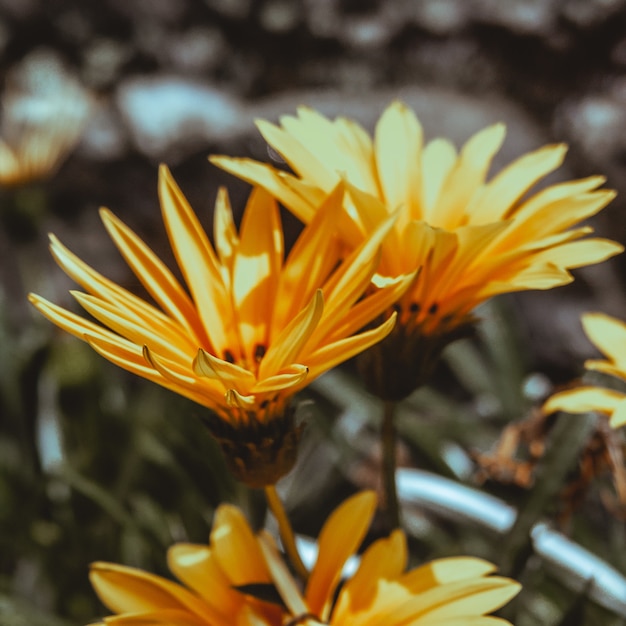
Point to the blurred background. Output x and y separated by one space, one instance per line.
97 465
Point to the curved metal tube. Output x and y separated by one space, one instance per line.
574 566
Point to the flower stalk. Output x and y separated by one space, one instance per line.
286 532
388 441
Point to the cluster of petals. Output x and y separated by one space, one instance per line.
473 238
252 327
609 336
223 582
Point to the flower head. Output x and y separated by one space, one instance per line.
44 114
472 238
255 327
609 336
225 581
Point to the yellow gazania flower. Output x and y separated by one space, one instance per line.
36 154
225 580
473 238
35 145
211 575
256 329
609 336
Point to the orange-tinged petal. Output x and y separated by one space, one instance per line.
136 329
197 262
361 312
196 566
129 590
236 548
292 376
225 235
154 276
384 559
287 346
340 537
68 321
309 263
230 375
162 617
100 286
256 267
332 354
275 181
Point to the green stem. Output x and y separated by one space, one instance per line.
388 440
286 532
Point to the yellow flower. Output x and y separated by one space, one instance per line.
609 336
40 130
473 238
225 581
36 154
210 574
255 329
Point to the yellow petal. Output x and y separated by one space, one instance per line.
197 263
294 150
197 567
154 276
339 351
442 571
608 334
398 146
287 346
225 233
584 399
514 180
438 159
458 600
229 374
580 253
162 617
236 548
340 537
310 261
173 344
618 418
276 182
363 311
128 590
102 287
467 175
384 559
282 578
256 266
292 376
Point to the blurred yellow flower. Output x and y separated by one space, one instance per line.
257 327
225 581
44 113
36 153
609 336
473 238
